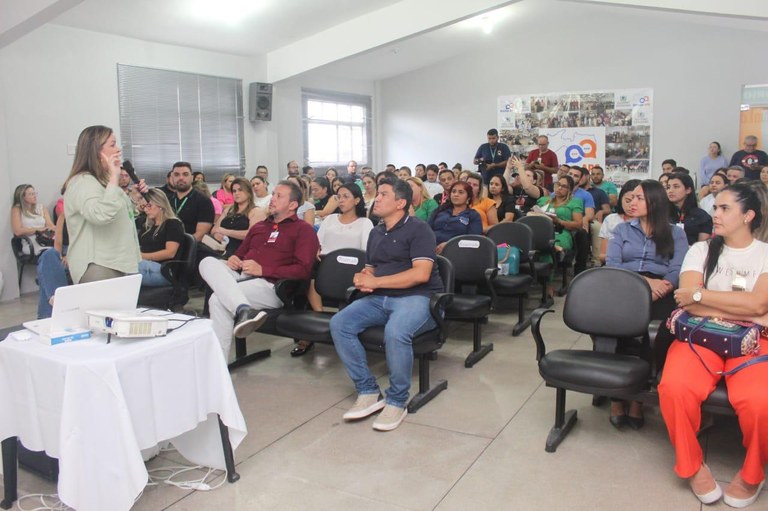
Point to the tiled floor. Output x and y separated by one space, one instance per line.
478 446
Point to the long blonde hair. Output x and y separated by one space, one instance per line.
18 201
88 155
424 193
158 198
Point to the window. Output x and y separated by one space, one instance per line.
168 116
337 128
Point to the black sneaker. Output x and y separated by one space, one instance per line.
247 320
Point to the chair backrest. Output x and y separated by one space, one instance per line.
608 302
188 255
445 268
336 272
470 256
543 231
515 234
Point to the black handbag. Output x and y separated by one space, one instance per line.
44 238
727 338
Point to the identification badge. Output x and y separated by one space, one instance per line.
273 236
464 220
680 225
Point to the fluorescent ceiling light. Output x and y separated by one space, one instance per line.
231 12
485 21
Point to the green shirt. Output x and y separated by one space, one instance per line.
426 209
100 227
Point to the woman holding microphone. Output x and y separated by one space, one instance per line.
102 236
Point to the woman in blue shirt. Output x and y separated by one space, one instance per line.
455 216
649 245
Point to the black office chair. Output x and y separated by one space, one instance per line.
474 265
611 305
334 277
425 345
543 244
18 243
179 272
516 286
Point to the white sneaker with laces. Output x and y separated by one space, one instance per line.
365 405
390 418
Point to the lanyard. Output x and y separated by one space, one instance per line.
178 207
493 152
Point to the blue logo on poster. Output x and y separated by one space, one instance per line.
577 152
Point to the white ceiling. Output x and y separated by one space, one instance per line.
278 25
274 24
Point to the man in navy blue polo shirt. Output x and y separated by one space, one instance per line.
400 275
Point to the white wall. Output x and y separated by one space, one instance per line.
57 80
442 112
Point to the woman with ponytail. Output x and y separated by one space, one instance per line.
725 277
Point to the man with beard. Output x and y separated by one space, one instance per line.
194 209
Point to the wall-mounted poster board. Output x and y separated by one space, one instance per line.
610 128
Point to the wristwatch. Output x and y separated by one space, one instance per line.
697 296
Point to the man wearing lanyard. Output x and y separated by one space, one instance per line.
194 209
279 247
491 158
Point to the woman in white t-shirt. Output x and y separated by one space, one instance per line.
725 277
348 229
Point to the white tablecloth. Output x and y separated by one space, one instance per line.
94 406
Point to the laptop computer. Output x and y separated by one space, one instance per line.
70 304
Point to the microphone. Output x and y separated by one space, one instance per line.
128 167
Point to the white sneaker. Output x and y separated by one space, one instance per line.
365 405
390 418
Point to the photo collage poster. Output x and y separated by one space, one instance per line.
607 128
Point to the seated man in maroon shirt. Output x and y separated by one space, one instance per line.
280 247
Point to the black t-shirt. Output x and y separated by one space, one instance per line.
193 209
154 240
600 198
507 206
751 161
695 222
523 201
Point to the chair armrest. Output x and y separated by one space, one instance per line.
288 289
438 302
18 246
653 329
489 275
536 317
353 294
167 269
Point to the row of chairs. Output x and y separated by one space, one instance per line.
468 267
613 307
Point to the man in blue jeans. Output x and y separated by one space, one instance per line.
400 275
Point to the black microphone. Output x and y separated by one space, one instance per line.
128 167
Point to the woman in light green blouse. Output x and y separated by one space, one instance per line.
102 235
422 205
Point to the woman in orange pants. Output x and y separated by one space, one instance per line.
726 277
